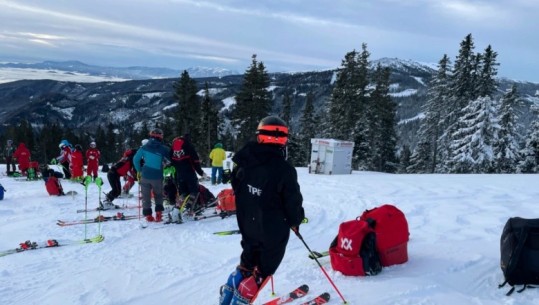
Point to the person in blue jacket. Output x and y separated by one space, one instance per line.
155 155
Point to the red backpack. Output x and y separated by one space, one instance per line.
353 251
205 196
392 235
53 186
226 201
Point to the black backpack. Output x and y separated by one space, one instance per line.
519 247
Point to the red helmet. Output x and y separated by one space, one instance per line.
272 130
156 133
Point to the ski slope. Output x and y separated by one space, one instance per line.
455 225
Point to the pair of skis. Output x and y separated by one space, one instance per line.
116 207
222 214
51 243
224 233
297 293
98 219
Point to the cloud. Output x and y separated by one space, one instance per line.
41 41
286 35
470 10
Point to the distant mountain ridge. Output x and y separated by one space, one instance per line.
128 73
86 105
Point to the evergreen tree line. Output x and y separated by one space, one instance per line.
43 143
466 129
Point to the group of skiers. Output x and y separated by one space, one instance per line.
71 160
148 165
269 203
267 194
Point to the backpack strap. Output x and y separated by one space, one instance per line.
525 287
510 291
371 222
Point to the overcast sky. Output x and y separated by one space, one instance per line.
291 35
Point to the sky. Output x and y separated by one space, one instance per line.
287 36
455 224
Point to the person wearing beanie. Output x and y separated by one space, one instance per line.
217 156
155 154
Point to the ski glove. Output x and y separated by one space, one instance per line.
53 161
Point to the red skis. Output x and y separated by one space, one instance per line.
295 294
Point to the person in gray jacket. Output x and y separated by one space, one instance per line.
8 154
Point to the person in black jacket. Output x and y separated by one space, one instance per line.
187 165
268 206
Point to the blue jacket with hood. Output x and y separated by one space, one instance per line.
155 155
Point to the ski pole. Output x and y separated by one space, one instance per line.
99 182
139 198
323 270
87 181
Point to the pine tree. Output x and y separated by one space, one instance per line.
48 140
486 84
209 123
404 159
530 153
287 109
188 110
425 156
343 99
506 150
464 78
253 102
142 133
348 116
111 150
462 85
101 142
475 139
308 129
350 87
167 126
384 137
293 149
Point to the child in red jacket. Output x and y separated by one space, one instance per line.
22 154
76 164
92 160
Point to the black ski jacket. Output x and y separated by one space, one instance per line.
268 204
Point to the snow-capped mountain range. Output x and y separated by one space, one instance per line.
78 71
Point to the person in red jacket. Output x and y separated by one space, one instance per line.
22 154
76 164
122 168
92 160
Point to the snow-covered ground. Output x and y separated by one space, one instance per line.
455 225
